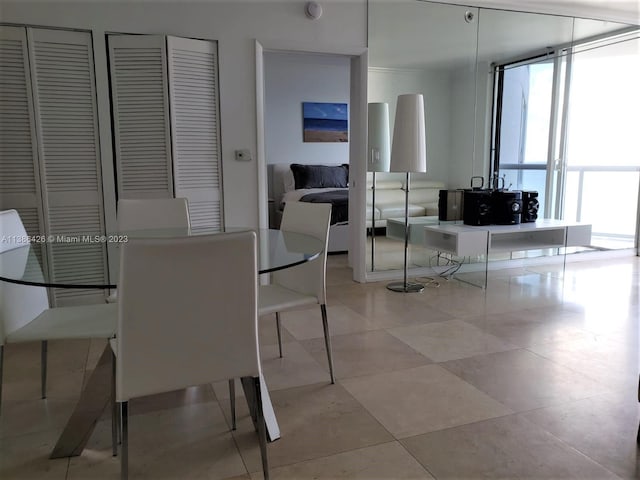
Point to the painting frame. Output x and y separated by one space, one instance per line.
325 122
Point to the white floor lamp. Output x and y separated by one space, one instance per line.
408 154
379 157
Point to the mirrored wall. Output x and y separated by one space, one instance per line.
521 100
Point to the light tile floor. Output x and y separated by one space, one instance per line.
536 377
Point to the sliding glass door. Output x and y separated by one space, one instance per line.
565 125
523 127
603 161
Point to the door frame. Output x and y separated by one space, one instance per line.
357 143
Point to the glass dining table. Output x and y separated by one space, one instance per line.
277 250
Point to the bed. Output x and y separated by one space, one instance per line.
313 183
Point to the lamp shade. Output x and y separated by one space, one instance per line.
378 135
409 148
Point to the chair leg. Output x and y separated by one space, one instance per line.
279 335
1 366
43 368
232 400
114 409
327 340
124 457
262 429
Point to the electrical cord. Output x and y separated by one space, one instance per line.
428 282
452 266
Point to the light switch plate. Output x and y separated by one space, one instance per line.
243 155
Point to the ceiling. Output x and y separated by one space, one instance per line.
398 37
623 11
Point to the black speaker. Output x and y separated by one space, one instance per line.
477 207
530 206
506 207
450 205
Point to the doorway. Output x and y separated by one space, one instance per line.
357 70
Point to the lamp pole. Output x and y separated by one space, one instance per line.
408 154
373 221
405 286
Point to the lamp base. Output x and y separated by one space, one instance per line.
409 287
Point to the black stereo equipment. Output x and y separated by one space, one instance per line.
530 206
450 205
477 207
506 207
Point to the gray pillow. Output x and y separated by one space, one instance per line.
320 176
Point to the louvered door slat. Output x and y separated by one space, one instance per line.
203 214
19 176
14 112
138 75
193 87
66 119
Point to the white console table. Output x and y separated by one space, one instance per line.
395 228
464 240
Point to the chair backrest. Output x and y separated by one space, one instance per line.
19 304
152 213
12 231
311 219
187 312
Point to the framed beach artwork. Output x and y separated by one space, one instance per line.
325 122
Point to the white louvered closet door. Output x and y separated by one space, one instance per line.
193 87
140 104
19 174
63 86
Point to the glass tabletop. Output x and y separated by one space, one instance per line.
277 250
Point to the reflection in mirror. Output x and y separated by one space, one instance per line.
522 68
564 102
534 102
602 165
427 48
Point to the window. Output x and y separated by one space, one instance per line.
566 125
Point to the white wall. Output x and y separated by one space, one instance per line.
484 112
293 78
236 25
463 98
456 144
386 84
471 96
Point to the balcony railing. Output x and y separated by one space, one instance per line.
604 195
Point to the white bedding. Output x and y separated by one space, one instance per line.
295 195
282 190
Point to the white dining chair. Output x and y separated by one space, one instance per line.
304 284
25 315
156 213
187 315
151 213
